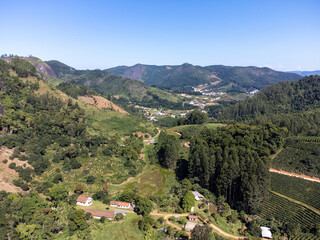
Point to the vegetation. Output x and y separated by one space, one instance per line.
296 188
124 92
234 162
288 104
288 212
300 157
187 75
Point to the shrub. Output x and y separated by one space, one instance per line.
102 219
91 179
5 161
12 165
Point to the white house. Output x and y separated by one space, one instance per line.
119 204
198 196
266 233
193 217
84 201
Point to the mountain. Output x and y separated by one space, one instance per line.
306 73
187 75
126 91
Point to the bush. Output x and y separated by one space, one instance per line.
5 161
119 217
91 179
99 195
25 187
12 165
102 219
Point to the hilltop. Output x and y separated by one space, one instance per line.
188 75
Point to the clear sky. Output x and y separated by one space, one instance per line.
281 34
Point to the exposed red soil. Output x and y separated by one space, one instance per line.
305 177
7 175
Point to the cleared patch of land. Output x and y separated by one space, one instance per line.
101 102
7 175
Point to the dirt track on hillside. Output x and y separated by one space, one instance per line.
305 177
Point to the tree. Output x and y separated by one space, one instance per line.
188 201
143 206
196 117
119 216
77 220
146 223
91 179
168 150
78 188
58 193
200 233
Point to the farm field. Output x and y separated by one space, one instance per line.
296 188
299 157
287 211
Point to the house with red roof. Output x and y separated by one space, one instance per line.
119 204
99 214
84 201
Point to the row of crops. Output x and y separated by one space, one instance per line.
296 188
287 211
303 139
305 236
299 157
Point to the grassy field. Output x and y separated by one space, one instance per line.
287 211
153 181
109 123
296 188
125 230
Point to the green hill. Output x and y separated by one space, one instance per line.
129 91
187 75
294 105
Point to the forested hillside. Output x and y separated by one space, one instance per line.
188 75
234 162
294 105
123 90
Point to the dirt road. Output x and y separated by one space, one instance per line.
305 177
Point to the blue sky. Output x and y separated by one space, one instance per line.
281 34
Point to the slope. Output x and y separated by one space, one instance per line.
187 75
123 90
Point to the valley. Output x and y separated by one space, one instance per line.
63 137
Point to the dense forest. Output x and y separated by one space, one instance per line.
234 162
294 105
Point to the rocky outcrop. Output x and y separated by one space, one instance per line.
45 69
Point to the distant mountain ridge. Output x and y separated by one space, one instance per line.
111 85
306 73
188 75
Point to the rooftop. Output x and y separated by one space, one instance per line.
82 199
120 203
98 213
